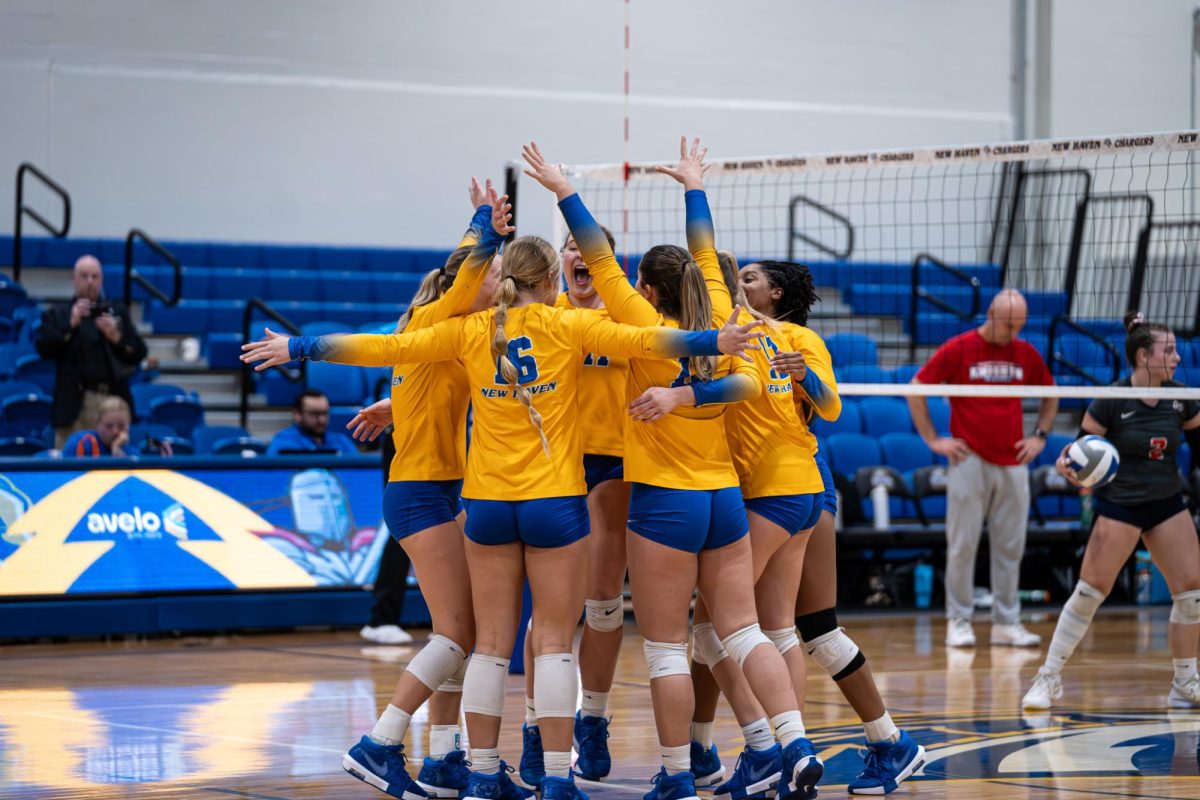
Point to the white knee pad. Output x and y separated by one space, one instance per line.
605 615
836 653
784 639
438 660
666 658
555 685
454 682
1084 601
706 647
740 643
483 686
1186 608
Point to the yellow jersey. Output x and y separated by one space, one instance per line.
686 449
506 460
601 396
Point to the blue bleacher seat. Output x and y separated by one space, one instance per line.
1040 342
143 435
387 326
8 331
237 283
222 349
27 320
279 257
344 286
907 452
36 369
1089 355
847 452
342 258
1045 305
343 385
935 328
863 373
225 440
851 348
232 254
939 413
64 252
21 445
12 297
904 373
188 316
8 388
850 421
144 393
326 327
293 284
395 288
882 415
180 412
28 413
10 353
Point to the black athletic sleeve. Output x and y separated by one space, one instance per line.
1104 410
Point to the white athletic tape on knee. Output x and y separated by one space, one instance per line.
1186 608
555 685
438 660
784 639
605 615
483 686
666 658
742 642
454 682
835 652
706 647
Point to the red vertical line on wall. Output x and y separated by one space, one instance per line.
625 186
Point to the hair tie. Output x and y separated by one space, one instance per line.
1139 318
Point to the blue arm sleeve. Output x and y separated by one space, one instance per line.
730 389
314 348
701 343
482 220
816 389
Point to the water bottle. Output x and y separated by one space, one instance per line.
879 507
1033 596
1144 578
837 517
923 584
1085 509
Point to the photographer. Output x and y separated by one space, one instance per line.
96 347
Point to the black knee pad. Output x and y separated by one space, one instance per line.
817 623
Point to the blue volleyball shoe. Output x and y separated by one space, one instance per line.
561 789
382 766
680 786
801 771
445 777
591 743
756 775
533 758
887 765
494 786
707 769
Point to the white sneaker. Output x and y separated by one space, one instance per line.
1186 694
386 634
1046 688
959 633
1014 635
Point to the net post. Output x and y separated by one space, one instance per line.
512 171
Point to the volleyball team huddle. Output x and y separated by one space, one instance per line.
659 429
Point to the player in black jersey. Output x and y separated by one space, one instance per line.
1144 501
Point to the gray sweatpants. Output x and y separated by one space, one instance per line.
977 490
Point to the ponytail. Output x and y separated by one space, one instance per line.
1139 335
695 314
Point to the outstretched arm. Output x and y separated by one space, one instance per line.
459 298
440 342
600 335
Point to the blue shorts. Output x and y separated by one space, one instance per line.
544 522
792 512
598 469
830 503
412 506
687 519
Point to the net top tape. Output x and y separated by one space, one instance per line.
1034 392
1123 144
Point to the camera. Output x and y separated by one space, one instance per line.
101 307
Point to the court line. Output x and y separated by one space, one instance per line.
1081 791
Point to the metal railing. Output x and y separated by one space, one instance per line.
22 210
296 375
132 276
1077 369
920 293
829 250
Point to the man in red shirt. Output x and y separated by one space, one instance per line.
988 453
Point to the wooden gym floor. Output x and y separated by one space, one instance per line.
267 717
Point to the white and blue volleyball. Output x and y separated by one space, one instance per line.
1095 461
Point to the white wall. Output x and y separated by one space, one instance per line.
360 121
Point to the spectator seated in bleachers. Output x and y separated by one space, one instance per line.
110 436
309 432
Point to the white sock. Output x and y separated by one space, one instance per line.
676 759
702 733
391 727
443 739
594 704
789 726
882 729
558 765
485 760
530 714
1185 668
758 735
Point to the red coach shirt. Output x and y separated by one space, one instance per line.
991 426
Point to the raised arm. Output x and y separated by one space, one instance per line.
441 342
481 201
459 298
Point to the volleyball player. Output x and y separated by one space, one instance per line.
687 524
785 291
1144 502
524 479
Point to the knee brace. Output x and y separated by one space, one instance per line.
666 658
1186 608
454 682
836 653
555 685
706 647
1083 602
438 660
784 639
605 615
483 686
742 642
817 624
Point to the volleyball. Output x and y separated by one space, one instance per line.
1095 461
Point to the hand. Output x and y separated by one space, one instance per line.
658 401
955 450
691 168
107 324
371 421
501 212
164 449
479 194
271 351
118 443
1029 448
736 340
546 174
790 364
1064 468
81 309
